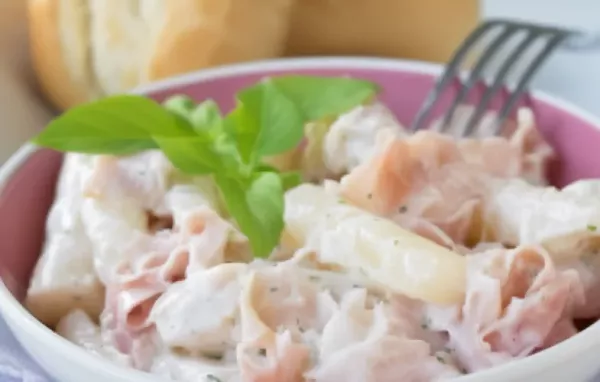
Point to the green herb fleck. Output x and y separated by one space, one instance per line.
299 325
426 323
214 356
592 228
212 378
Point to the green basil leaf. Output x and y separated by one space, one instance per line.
195 155
232 163
94 145
115 125
180 104
265 122
290 179
320 97
268 119
270 116
206 115
242 130
257 205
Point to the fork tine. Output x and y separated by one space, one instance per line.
477 72
450 73
503 72
527 76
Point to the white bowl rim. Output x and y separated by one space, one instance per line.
14 311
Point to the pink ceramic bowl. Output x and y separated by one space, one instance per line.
27 188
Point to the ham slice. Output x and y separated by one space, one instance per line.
517 303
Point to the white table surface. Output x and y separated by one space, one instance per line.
573 75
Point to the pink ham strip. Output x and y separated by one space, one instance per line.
433 177
517 303
382 344
265 355
169 257
420 176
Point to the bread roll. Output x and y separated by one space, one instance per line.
84 49
23 111
420 29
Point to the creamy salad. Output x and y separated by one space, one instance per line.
403 257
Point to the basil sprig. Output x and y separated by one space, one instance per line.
268 119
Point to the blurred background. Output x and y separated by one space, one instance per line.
57 53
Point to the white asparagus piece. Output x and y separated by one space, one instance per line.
358 241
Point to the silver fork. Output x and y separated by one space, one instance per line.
506 31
